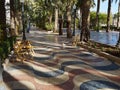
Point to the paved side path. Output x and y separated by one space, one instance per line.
57 66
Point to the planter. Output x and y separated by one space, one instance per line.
100 52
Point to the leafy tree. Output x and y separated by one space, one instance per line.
42 13
92 19
102 19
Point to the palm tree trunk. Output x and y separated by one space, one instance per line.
85 33
69 34
13 18
56 20
80 21
3 18
97 14
50 19
118 15
108 16
60 25
118 42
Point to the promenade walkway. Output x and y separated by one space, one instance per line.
58 66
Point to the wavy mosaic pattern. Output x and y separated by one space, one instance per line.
57 68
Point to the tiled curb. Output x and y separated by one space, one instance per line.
106 55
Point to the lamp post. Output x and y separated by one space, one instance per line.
74 7
23 21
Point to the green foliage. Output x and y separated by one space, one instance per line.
1 52
92 18
97 28
6 47
1 34
11 41
4 50
49 26
77 22
102 19
40 10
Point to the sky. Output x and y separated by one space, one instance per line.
104 6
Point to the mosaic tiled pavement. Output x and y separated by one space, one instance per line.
58 67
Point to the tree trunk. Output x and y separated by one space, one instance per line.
69 34
56 20
85 33
13 18
3 19
60 25
108 16
97 14
118 15
118 42
50 19
80 21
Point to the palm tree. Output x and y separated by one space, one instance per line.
85 9
14 17
60 24
118 42
68 11
69 3
118 14
54 4
108 15
56 20
3 18
61 14
97 14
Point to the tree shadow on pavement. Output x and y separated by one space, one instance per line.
9 80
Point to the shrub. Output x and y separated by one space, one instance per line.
2 54
11 40
49 26
6 47
96 28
